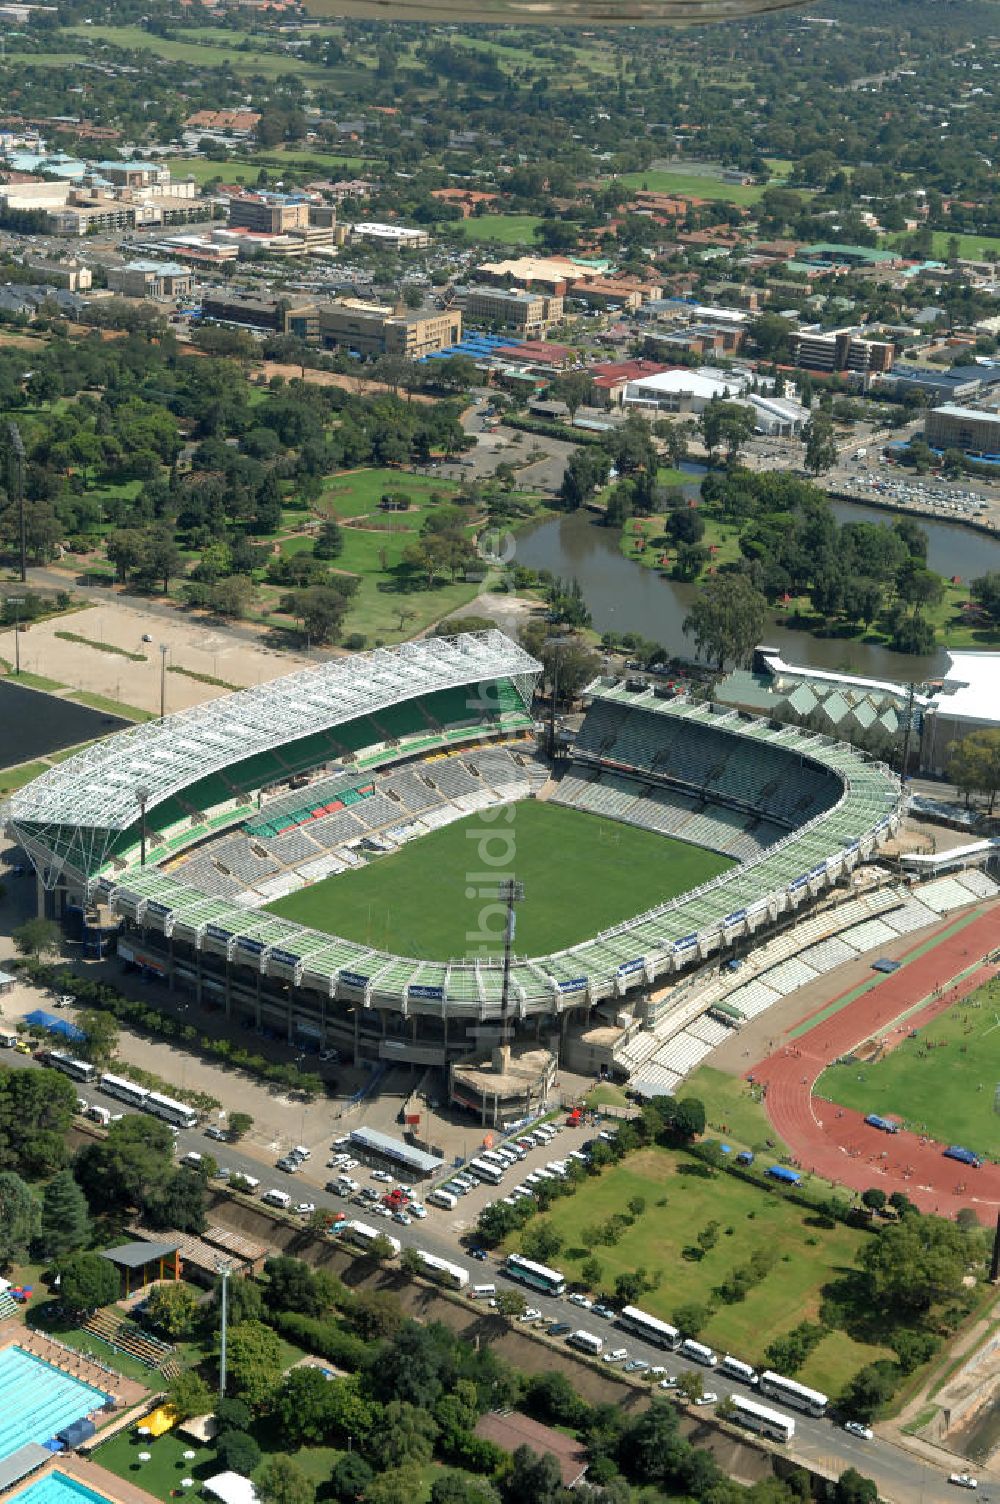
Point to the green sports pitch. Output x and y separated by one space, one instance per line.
435 899
944 1081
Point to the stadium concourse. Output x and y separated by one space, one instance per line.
835 1142
171 838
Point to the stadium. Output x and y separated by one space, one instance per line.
193 842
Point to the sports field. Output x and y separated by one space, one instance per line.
945 1082
664 1236
434 899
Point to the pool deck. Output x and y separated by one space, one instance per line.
126 1392
116 1490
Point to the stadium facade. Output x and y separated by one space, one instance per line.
279 772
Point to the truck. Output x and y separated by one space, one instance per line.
886 1125
964 1156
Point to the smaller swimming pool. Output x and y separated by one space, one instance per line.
38 1401
59 1488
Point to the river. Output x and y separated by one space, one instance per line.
624 596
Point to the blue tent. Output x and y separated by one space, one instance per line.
788 1177
54 1024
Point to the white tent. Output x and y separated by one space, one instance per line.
231 1488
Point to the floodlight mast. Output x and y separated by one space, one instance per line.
511 893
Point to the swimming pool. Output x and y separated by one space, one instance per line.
58 1488
37 1400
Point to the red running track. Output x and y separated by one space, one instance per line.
835 1142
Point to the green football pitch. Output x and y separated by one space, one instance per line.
435 898
945 1081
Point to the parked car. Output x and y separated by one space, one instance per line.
479 1254
857 1429
963 1480
218 1134
583 1301
304 1208
559 1329
708 1398
617 1355
636 1365
605 1311
531 1313
382 1175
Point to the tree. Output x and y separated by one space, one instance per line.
511 1303
100 1029
690 1318
188 1394
351 1478
36 1110
281 1481
854 1488
985 591
36 937
254 1362
690 1385
304 1406
163 559
592 1272
541 1241
19 1217
974 765
575 389
65 1221
237 1452
915 1262
329 540
727 620
171 1310
86 1282
726 423
533 1478
874 1199
126 550
240 1124
821 449
232 1414
294 1287
406 1434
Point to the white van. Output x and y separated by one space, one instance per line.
442 1198
250 1182
192 1159
483 1292
277 1198
301 1152
7 1040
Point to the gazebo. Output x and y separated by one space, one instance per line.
141 1263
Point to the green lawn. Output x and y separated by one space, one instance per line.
202 52
946 1080
354 492
972 247
658 181
678 1207
16 778
731 1108
392 903
161 1475
508 229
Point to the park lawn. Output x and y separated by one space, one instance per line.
390 902
656 180
971 247
606 1095
944 1082
161 1475
113 707
137 39
375 612
506 229
354 492
678 1207
731 1109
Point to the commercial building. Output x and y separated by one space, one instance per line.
268 213
681 391
396 237
611 377
150 279
373 329
778 417
956 385
72 275
526 313
965 428
968 700
548 274
270 315
848 257
840 350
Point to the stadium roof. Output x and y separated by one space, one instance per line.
100 786
635 951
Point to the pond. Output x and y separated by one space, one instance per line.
624 596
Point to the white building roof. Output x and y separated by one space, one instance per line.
971 687
683 383
976 414
99 786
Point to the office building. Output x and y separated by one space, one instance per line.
269 315
965 428
268 213
840 350
528 314
395 237
150 279
373 329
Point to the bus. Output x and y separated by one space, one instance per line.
735 1368
80 1070
659 1333
536 1276
797 1395
492 1174
587 1342
698 1353
171 1112
125 1091
762 1419
451 1275
364 1236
